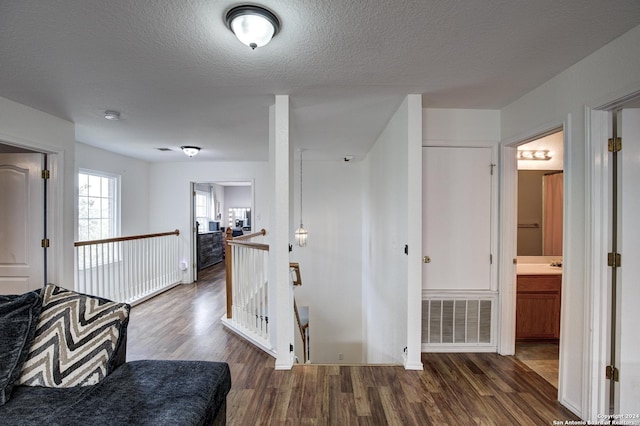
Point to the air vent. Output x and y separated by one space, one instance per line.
164 149
456 321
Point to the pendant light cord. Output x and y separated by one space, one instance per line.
300 187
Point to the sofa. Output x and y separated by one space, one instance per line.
62 362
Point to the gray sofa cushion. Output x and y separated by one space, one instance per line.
18 319
138 392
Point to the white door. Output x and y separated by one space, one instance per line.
629 248
21 223
456 197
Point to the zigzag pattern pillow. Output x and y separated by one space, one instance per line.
76 338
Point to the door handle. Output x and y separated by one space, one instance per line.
426 259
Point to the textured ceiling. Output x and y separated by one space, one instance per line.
178 76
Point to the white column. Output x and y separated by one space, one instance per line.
280 291
412 359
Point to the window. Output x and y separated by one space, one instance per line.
98 205
203 210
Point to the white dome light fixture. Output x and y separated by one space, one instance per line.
112 115
254 26
190 150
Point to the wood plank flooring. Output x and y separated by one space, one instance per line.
453 389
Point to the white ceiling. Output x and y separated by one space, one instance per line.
178 76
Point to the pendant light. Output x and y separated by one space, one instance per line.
301 233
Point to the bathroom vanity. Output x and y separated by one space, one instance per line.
539 292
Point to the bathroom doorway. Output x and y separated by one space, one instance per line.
539 253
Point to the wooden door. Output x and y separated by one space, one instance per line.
457 218
21 223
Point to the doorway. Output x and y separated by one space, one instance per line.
216 207
538 283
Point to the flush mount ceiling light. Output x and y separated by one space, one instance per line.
540 155
253 25
190 150
112 115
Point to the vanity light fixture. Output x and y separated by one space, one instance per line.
112 115
254 26
301 233
190 150
534 155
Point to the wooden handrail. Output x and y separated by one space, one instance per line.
133 237
248 244
248 236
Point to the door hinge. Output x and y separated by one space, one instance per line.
615 145
46 174
490 259
492 167
612 373
44 243
614 259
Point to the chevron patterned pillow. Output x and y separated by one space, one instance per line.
75 341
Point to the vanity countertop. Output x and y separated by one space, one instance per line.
537 269
538 265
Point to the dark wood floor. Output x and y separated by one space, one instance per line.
453 389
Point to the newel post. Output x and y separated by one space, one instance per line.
227 261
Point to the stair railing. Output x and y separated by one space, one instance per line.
247 283
128 269
301 320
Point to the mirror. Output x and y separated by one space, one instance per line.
240 217
539 213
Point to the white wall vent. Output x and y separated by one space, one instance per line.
457 322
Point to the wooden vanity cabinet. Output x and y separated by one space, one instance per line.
538 307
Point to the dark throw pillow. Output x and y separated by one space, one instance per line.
18 321
76 339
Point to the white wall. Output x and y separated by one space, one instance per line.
385 232
237 196
330 264
602 77
33 129
134 185
170 194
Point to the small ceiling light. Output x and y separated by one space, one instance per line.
253 25
190 150
112 115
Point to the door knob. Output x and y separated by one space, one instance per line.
426 259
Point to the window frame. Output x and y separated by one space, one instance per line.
115 198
